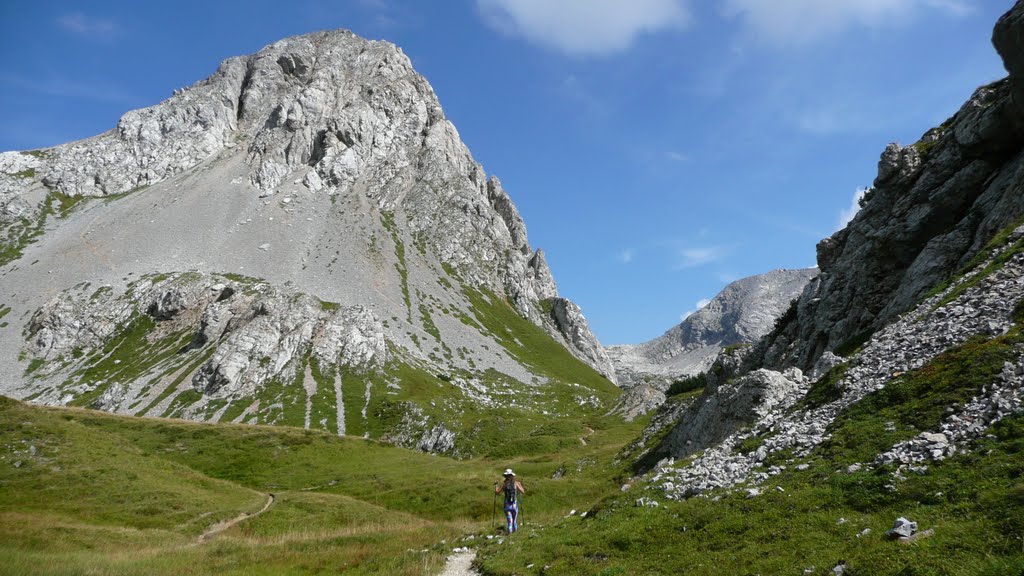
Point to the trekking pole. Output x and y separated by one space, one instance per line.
519 518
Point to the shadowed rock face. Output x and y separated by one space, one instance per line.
933 206
1008 38
741 313
322 165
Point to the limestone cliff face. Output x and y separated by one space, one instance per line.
347 117
322 165
933 206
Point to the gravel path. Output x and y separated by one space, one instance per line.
460 564
224 525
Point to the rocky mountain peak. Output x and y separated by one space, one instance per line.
342 115
742 313
321 166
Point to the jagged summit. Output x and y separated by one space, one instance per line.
304 84
322 166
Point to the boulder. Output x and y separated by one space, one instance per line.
902 528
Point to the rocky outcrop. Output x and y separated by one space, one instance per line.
943 216
742 313
417 430
16 170
639 400
1008 38
734 404
978 305
70 321
254 332
152 144
571 324
261 338
933 206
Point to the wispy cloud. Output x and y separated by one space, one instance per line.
693 257
847 214
801 22
677 156
955 7
71 89
699 305
584 27
88 26
839 116
573 89
625 256
384 12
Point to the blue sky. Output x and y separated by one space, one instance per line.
657 149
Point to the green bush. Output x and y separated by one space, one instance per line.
688 384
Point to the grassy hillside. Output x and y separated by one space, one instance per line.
814 518
85 492
818 516
148 364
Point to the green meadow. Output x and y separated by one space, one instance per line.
86 492
808 521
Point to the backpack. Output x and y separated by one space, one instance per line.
511 492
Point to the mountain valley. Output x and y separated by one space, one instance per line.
284 323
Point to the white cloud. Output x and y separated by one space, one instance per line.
95 28
677 156
625 256
693 257
584 27
700 304
796 22
846 215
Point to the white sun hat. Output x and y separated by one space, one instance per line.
509 472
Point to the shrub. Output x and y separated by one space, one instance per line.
688 384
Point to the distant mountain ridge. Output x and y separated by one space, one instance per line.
742 313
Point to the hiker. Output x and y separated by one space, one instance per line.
512 489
